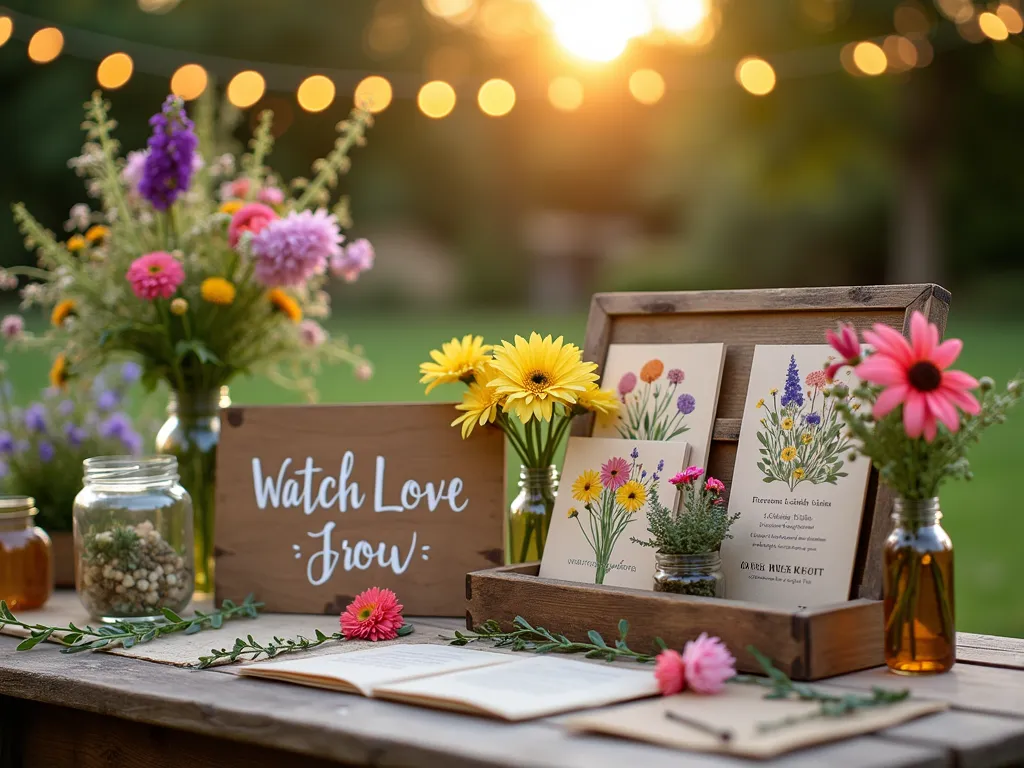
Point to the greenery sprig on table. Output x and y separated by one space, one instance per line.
127 634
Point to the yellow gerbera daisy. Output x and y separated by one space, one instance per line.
75 243
456 361
806 438
59 372
231 207
286 304
587 487
760 403
97 232
798 473
631 496
536 374
787 423
603 402
480 403
217 290
788 453
62 312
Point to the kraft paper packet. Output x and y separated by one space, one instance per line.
739 710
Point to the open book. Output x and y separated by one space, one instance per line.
464 680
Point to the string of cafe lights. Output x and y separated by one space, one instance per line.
248 82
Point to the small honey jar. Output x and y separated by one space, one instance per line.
26 565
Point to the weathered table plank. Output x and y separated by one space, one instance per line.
981 741
989 650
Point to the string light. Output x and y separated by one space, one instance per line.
756 76
869 58
189 82
992 26
6 29
900 53
1009 15
373 94
647 86
45 45
246 88
316 93
436 99
565 93
496 97
114 71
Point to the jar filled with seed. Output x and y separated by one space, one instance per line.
133 538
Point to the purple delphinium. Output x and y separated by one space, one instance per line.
169 165
6 442
291 250
35 417
108 400
117 425
686 403
46 451
131 372
676 376
793 394
813 419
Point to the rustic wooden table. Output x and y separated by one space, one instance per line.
102 710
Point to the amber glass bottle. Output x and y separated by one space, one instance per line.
26 568
920 632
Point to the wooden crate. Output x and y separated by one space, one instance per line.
808 644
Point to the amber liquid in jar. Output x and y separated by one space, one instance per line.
26 567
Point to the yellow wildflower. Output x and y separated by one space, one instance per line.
572 513
97 232
62 312
75 243
760 403
788 453
60 373
806 438
285 304
457 360
798 473
587 487
631 496
231 207
603 402
787 423
773 391
217 290
480 403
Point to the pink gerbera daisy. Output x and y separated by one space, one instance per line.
156 275
708 664
915 376
373 615
614 473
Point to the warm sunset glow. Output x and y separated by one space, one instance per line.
681 16
45 45
373 94
756 76
246 88
565 93
597 30
454 11
436 99
992 26
6 29
114 71
316 93
869 58
647 86
496 97
189 82
1009 15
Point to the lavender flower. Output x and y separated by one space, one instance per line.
291 250
676 376
813 419
132 442
46 451
134 166
635 454
35 417
793 393
108 400
115 426
75 434
169 164
6 443
131 372
686 404
661 465
356 259
66 407
5 470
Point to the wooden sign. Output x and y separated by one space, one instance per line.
317 503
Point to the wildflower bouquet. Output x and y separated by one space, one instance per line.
653 411
699 527
531 390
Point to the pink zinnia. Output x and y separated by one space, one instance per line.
156 275
291 250
915 376
252 217
844 341
356 259
614 473
714 485
627 384
312 333
12 326
670 673
373 615
687 476
708 664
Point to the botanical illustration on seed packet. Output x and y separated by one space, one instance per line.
605 489
668 392
799 496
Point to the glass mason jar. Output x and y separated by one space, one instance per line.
133 538
529 516
26 563
191 434
699 575
920 632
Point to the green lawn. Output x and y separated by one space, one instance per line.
984 516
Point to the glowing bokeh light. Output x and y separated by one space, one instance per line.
316 93
114 71
158 6
756 76
910 20
436 99
6 29
681 16
900 53
596 30
246 88
869 58
957 11
453 11
647 86
373 94
925 53
565 93
189 82
1009 15
45 45
496 97
992 26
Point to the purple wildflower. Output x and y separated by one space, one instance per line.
291 250
132 441
813 419
170 162
312 333
4 469
793 394
117 425
635 454
131 372
134 166
66 407
108 400
12 326
627 383
661 465
46 451
356 259
75 434
686 404
676 376
35 417
21 446
6 442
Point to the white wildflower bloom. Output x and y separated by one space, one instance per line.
79 217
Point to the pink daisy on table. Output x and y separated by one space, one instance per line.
156 275
670 673
373 615
915 376
615 473
708 664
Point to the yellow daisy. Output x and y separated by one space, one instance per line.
59 372
798 473
286 304
787 423
231 207
217 290
631 496
788 453
62 312
456 361
603 402
480 403
773 391
806 438
587 487
536 374
759 403
573 512
97 232
75 243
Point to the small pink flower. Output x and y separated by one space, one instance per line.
670 673
615 473
627 384
687 476
235 190
252 217
312 333
373 615
676 376
816 379
708 664
270 196
844 341
356 258
12 326
714 485
156 275
364 371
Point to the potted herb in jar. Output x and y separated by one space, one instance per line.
688 536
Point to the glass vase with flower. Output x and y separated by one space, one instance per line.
921 420
531 390
201 268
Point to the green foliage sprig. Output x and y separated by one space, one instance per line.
351 133
701 527
127 634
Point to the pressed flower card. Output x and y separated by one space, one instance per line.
667 392
799 496
605 488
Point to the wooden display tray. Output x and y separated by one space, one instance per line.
808 644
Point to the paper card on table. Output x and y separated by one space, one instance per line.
606 486
526 688
363 671
799 497
739 711
669 392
